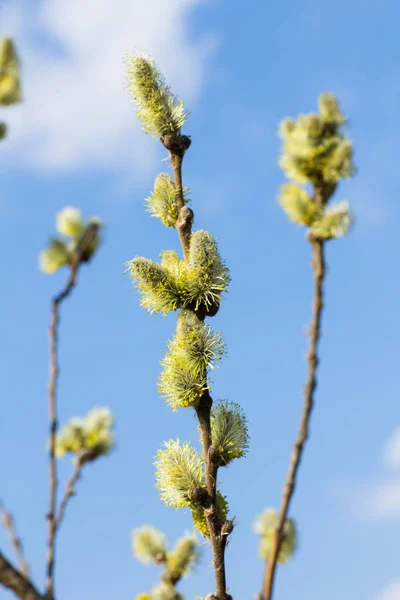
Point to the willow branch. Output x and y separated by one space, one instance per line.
69 492
177 145
54 373
217 539
90 233
318 265
15 581
16 542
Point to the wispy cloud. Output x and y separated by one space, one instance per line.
381 499
390 592
391 453
77 113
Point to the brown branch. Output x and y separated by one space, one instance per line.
15 581
318 265
81 256
185 214
54 373
16 542
217 539
69 492
177 145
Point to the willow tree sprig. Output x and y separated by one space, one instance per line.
179 472
195 286
229 432
162 201
150 546
16 543
10 83
160 111
93 436
265 526
317 152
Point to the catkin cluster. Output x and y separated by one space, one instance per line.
194 287
316 151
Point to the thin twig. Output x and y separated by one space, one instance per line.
69 492
318 265
16 542
90 233
54 373
203 410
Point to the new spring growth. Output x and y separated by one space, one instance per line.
315 148
149 545
173 284
316 151
229 431
185 555
179 470
160 111
165 591
162 201
208 275
265 526
160 288
10 91
81 237
87 438
199 517
194 348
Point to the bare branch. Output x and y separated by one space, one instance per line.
16 543
54 373
318 265
15 581
69 492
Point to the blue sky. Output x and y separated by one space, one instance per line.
75 141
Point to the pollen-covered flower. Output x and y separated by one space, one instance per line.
179 470
55 256
10 92
165 591
297 204
340 163
329 109
229 432
181 560
85 239
265 526
199 518
160 111
149 545
69 222
208 276
334 222
193 349
314 147
162 201
88 437
198 344
179 385
160 291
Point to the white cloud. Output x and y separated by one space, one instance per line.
391 592
77 112
391 454
381 500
